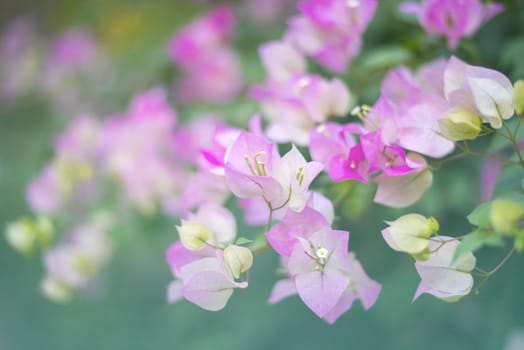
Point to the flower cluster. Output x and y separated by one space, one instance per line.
273 173
71 70
211 68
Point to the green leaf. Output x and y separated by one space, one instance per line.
476 240
509 180
480 216
243 240
385 57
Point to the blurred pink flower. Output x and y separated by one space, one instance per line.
451 18
330 30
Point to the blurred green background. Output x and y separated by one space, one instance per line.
126 308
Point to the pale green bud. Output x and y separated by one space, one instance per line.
56 290
85 265
504 215
410 233
238 259
519 96
44 230
21 236
193 235
460 124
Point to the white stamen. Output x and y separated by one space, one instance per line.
322 253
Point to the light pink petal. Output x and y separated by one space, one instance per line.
445 279
208 289
344 304
174 291
281 290
283 236
402 191
321 291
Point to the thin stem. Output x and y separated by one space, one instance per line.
512 138
515 132
488 274
270 218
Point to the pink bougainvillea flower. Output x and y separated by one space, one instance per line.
318 266
19 71
78 259
219 221
441 275
451 18
330 30
284 235
136 148
281 60
204 35
203 281
210 68
336 281
481 90
73 48
217 78
295 106
360 287
402 191
331 145
255 169
249 168
354 167
409 110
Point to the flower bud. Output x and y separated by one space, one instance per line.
460 124
44 230
504 215
518 92
410 234
193 235
21 236
56 290
238 259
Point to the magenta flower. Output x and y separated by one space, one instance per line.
332 142
285 235
202 36
451 18
210 68
330 30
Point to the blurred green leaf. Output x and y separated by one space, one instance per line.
243 240
476 240
385 57
480 216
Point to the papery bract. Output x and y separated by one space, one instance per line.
442 275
